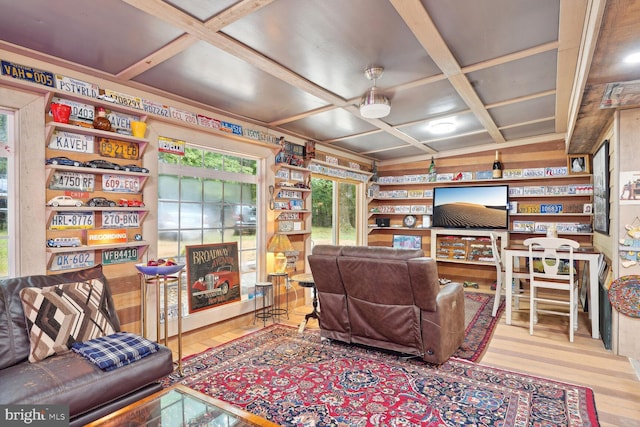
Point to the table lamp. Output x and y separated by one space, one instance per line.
279 244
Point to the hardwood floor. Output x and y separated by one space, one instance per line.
548 353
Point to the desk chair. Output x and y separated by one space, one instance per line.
517 275
551 266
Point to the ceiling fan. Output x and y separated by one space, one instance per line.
374 104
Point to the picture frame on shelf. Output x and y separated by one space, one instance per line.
578 164
407 241
601 206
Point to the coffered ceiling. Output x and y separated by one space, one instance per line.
505 72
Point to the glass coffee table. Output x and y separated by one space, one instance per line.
179 406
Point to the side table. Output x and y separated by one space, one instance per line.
277 309
306 281
161 277
264 312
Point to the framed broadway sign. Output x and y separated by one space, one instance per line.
213 275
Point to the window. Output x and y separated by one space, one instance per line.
7 251
208 197
334 212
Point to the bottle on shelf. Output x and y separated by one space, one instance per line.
432 171
101 121
497 167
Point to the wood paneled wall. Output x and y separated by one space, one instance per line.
550 154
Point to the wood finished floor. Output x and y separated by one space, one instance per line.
546 354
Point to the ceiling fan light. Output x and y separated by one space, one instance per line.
374 105
440 128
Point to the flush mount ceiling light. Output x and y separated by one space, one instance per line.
442 127
374 104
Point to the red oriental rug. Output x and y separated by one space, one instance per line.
301 380
479 325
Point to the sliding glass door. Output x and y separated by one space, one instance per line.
335 212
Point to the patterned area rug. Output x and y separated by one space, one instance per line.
479 325
301 380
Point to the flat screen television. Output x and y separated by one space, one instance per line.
479 207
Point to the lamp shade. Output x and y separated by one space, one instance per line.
374 104
279 244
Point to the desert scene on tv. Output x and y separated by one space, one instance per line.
475 207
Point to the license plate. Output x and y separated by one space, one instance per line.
72 181
29 74
79 112
118 256
120 183
120 219
551 208
69 220
118 149
72 260
121 122
169 145
69 84
69 141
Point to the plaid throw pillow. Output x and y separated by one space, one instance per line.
57 316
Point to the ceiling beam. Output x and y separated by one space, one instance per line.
420 23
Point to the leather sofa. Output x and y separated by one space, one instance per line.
387 298
68 378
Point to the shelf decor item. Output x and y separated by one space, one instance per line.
60 112
101 121
578 164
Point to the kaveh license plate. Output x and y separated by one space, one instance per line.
75 181
118 256
69 141
116 219
120 183
71 220
109 147
73 260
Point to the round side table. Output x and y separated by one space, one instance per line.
306 281
265 312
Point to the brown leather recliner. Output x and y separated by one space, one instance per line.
387 298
